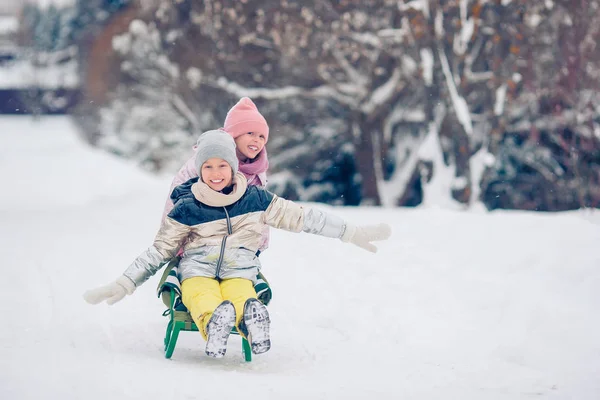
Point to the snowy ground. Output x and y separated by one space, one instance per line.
457 305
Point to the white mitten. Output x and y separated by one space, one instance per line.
362 236
113 292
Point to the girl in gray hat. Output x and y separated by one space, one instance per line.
218 219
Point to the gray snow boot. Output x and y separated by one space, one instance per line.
218 329
255 326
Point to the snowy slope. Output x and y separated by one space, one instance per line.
457 305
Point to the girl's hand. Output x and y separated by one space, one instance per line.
362 236
113 292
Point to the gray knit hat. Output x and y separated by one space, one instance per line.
216 144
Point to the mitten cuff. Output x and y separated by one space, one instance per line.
348 233
126 283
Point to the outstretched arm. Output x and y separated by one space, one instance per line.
285 214
166 243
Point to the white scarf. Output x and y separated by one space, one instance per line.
204 194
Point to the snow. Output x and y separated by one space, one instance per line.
457 305
283 92
437 192
23 74
384 92
427 62
458 102
461 41
477 164
419 5
500 99
138 27
534 20
8 24
439 24
194 77
122 43
517 77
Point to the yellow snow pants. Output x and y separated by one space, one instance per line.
202 295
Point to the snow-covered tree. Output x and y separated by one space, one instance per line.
469 54
555 117
146 119
343 56
387 102
383 65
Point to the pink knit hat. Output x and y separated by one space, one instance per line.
243 118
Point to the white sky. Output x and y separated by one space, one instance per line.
456 305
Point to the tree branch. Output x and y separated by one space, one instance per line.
324 91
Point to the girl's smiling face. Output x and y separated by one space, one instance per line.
250 144
216 173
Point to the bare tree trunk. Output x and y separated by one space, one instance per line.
367 135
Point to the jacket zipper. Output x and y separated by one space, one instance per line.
223 242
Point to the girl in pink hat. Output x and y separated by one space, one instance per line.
250 131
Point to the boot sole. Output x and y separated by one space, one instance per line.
258 322
218 330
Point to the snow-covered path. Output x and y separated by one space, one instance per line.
457 305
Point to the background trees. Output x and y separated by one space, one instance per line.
46 61
549 152
371 102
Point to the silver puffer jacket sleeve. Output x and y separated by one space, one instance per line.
145 265
319 222
166 243
285 214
